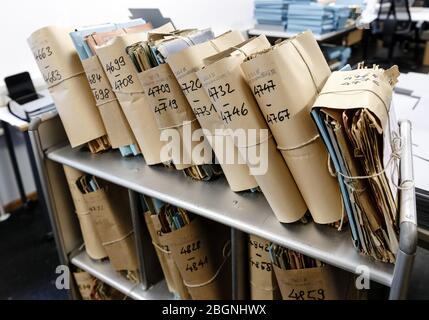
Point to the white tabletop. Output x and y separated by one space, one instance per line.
9 118
286 34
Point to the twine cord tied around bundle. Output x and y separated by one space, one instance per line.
65 79
118 240
302 145
226 252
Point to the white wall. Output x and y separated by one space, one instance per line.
19 18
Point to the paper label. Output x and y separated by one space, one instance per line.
356 89
198 250
275 77
262 280
309 284
165 97
54 54
112 218
98 81
118 66
63 73
226 88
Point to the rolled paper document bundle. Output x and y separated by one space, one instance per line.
224 83
184 65
62 71
275 77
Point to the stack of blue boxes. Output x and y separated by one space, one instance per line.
319 18
273 14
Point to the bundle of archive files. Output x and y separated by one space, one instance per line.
104 215
278 273
317 17
187 80
194 253
91 288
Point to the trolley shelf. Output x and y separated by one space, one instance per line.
103 271
246 211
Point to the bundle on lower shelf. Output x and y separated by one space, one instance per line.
194 253
91 288
106 223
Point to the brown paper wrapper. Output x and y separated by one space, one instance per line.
86 284
123 78
275 76
62 71
93 245
323 283
91 288
171 109
200 252
184 64
361 88
263 283
110 210
114 120
162 253
224 82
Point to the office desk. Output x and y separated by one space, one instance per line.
418 14
9 122
286 34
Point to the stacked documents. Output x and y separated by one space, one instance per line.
167 101
271 13
358 126
318 18
336 56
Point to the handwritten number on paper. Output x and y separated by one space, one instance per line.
42 53
191 86
307 295
227 115
157 90
115 65
280 116
217 92
124 82
259 90
165 105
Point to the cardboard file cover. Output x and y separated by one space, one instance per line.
123 78
114 120
201 253
93 245
276 76
161 252
63 73
263 283
184 64
171 110
86 284
322 283
110 209
224 82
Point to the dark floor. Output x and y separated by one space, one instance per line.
27 258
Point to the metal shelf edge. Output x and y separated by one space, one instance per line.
104 272
263 226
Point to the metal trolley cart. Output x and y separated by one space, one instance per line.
243 213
